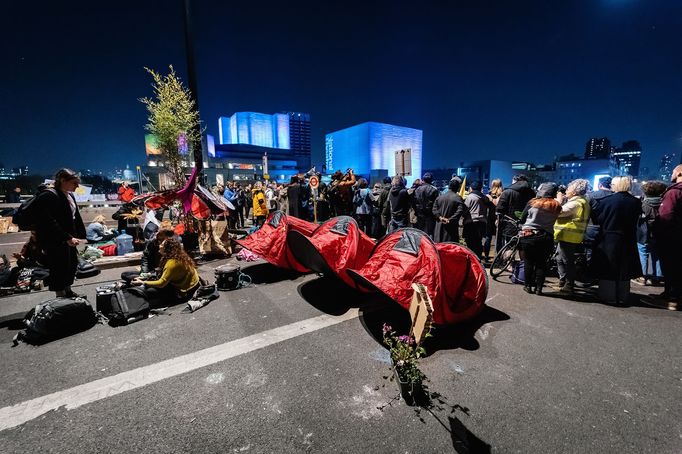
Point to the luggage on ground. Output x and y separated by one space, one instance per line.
519 273
227 277
123 307
55 319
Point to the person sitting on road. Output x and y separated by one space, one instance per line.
179 277
97 231
537 235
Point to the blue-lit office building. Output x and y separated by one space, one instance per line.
369 149
281 131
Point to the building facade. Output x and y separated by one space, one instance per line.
286 131
598 148
626 158
375 149
666 166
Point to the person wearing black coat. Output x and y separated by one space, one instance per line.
59 228
615 255
511 203
294 197
448 209
397 205
424 197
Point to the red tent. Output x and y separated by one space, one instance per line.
270 241
335 246
453 275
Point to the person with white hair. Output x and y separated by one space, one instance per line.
615 255
569 231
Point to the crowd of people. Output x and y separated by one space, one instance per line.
624 238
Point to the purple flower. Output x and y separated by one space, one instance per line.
405 339
387 328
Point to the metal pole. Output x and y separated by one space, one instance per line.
191 69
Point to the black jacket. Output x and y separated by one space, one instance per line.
615 256
398 204
514 199
424 197
56 223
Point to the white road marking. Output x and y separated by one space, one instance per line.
77 396
12 244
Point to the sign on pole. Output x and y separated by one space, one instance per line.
314 182
403 162
265 166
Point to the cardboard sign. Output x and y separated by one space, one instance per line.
314 182
421 312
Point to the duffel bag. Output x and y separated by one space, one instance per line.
55 319
86 269
127 306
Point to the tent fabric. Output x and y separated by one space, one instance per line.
200 210
334 246
270 241
216 204
401 258
465 283
453 276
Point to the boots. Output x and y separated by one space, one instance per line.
539 281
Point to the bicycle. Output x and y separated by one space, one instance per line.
508 254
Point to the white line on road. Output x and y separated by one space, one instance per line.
12 244
110 386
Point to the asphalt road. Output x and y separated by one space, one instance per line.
530 375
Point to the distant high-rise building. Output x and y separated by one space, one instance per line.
597 148
668 163
287 131
626 158
299 137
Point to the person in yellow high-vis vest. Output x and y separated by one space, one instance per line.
569 231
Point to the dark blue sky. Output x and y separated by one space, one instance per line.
522 80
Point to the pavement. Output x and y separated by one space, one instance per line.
293 363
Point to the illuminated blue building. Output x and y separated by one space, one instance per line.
371 147
253 128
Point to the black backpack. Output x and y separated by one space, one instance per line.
86 269
26 216
55 319
123 307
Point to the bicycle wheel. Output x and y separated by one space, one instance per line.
504 258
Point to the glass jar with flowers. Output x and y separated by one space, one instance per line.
405 354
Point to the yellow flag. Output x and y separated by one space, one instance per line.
463 189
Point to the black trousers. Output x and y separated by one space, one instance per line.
536 251
62 260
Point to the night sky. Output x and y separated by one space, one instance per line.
514 80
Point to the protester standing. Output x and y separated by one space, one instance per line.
424 198
125 192
668 229
294 197
448 209
363 206
58 229
383 200
479 205
397 206
646 240
537 235
569 231
615 254
511 203
260 208
494 196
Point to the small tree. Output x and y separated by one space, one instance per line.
174 121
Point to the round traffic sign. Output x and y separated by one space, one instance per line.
314 182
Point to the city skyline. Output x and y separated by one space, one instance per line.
502 81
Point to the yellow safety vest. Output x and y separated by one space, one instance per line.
572 230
